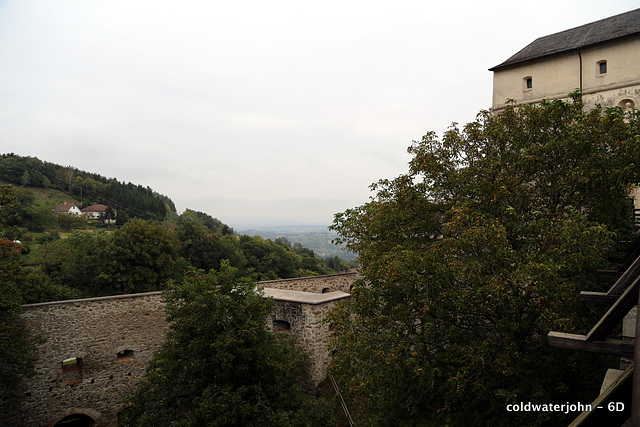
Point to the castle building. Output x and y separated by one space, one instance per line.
601 59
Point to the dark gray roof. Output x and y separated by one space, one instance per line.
601 31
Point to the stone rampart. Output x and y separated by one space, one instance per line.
111 339
315 284
97 349
302 314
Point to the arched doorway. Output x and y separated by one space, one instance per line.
76 420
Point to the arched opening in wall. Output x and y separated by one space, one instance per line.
627 104
76 420
281 326
351 288
125 355
325 290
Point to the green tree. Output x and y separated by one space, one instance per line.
213 224
38 218
17 347
219 365
77 262
67 221
9 212
109 216
268 260
139 257
474 255
205 248
25 179
38 287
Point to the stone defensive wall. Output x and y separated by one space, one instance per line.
316 284
97 349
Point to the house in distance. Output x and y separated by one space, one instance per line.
69 208
94 211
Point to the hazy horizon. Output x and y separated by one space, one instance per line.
255 113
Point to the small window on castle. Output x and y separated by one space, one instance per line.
71 364
602 67
72 370
281 326
527 83
325 290
125 355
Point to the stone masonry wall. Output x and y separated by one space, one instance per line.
94 330
316 284
108 341
302 314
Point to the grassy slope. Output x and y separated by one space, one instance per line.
49 197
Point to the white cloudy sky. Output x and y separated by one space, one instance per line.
255 111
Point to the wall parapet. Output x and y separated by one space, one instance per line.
304 297
315 284
93 299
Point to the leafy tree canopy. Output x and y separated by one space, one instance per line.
477 252
138 257
17 350
220 365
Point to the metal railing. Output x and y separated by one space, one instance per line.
342 402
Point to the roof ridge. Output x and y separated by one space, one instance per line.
616 26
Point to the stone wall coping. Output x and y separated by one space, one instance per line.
276 294
94 299
293 279
304 297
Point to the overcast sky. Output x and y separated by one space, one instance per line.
255 112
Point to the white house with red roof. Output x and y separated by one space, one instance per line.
67 208
94 211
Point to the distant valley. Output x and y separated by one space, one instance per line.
315 237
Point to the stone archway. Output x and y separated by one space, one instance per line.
77 417
76 420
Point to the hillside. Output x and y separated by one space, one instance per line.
48 197
86 188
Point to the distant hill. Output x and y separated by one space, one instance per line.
315 237
86 188
52 184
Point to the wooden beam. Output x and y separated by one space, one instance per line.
589 296
631 255
627 277
579 342
635 395
616 313
600 415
